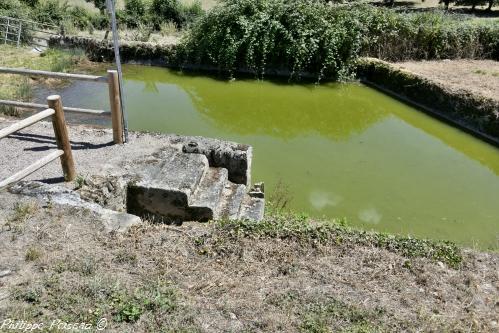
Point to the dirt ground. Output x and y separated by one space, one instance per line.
57 263
480 77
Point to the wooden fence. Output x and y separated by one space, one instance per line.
54 110
114 95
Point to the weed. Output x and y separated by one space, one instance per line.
336 316
125 256
22 212
79 182
27 294
280 197
24 91
157 296
168 28
32 254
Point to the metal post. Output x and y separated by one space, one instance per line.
110 6
19 33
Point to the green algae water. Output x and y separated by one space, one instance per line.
340 150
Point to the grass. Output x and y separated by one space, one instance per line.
321 317
286 225
32 254
18 88
21 213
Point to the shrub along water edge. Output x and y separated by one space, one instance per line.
309 36
257 35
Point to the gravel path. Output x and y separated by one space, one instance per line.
93 149
480 77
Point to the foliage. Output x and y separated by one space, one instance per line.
99 4
130 307
134 13
31 3
51 11
174 11
299 35
428 35
14 8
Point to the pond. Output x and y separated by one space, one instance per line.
338 150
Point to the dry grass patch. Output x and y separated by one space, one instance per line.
286 274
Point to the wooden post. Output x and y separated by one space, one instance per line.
6 31
19 33
114 101
61 137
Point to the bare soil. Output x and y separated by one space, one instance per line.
480 77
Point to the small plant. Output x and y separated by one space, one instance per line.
10 111
280 197
79 182
29 295
22 212
142 33
336 316
130 307
24 91
32 254
168 28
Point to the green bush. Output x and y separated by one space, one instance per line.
134 13
165 10
162 11
14 8
51 11
298 36
80 17
429 35
258 35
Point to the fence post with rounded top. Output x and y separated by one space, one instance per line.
115 102
61 137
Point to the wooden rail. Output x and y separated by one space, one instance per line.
36 106
56 75
61 137
114 95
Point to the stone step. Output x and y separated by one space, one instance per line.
232 197
168 179
204 203
252 208
175 170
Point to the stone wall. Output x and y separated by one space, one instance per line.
130 52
